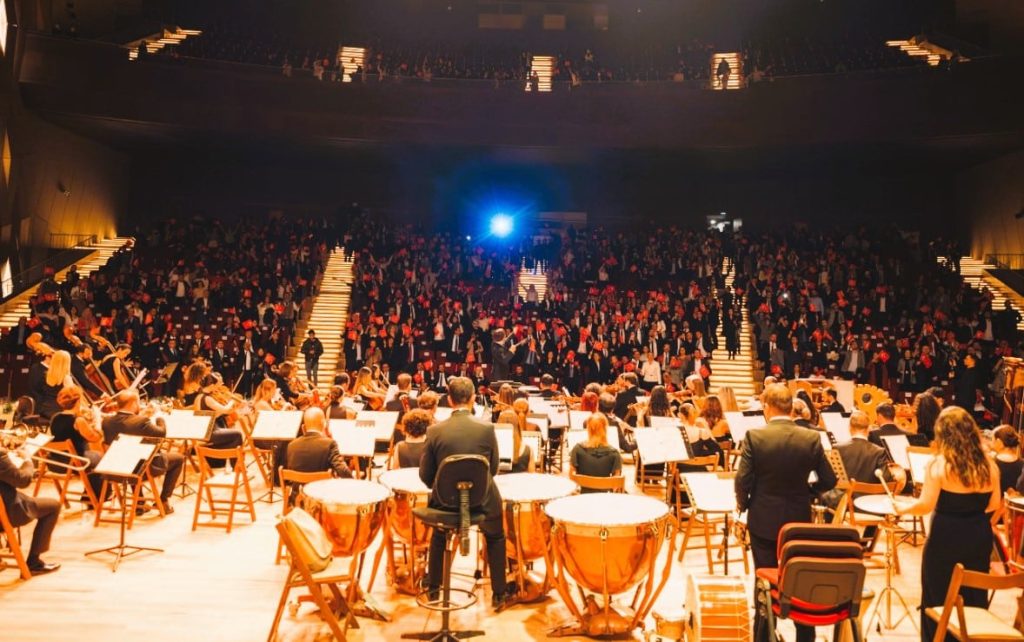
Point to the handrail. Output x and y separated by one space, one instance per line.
32 275
57 240
1006 261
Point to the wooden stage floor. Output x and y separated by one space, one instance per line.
209 585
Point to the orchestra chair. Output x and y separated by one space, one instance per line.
262 456
861 521
292 482
972 622
25 410
729 454
141 483
12 548
233 480
819 580
612 484
708 523
460 487
62 480
313 566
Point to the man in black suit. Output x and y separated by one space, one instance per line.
772 479
861 458
501 355
82 356
404 384
315 450
627 397
128 421
831 402
886 413
463 434
22 509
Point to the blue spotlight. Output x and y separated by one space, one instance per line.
501 225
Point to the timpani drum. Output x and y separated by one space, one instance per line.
608 543
408 491
527 528
350 510
718 609
1015 530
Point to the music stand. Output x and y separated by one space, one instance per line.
275 425
661 446
713 493
126 460
353 440
188 428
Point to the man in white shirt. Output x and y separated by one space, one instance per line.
650 372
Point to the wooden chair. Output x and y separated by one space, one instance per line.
261 456
61 475
232 480
612 484
302 552
291 484
708 523
12 548
139 486
972 622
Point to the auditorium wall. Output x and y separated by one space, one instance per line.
990 196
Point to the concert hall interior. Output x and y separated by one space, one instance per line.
517 319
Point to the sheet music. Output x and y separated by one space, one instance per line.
184 424
577 417
838 425
354 406
660 445
442 413
826 443
123 457
542 424
740 425
711 492
897 446
384 422
504 434
277 425
919 465
664 422
574 437
353 440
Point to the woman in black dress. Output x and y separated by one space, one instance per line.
962 488
409 451
1006 452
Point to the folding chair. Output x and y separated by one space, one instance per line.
819 580
292 482
49 470
12 549
862 521
972 622
235 479
313 567
612 484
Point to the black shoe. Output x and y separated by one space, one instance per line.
42 568
168 509
502 601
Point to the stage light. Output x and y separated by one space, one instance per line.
501 225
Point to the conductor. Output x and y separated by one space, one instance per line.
501 355
772 480
463 434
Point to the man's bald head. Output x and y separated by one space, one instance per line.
859 423
313 419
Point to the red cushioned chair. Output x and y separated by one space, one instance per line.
819 581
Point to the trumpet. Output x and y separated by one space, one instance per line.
13 439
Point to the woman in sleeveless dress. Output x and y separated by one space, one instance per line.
962 488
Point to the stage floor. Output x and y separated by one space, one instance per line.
209 585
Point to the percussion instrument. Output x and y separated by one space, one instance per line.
526 526
408 493
1015 529
352 512
718 609
608 544
884 505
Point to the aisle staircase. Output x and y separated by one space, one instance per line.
735 65
327 318
350 59
975 273
18 306
538 276
543 66
737 373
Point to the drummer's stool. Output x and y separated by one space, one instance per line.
459 488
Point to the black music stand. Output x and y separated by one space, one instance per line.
275 425
120 463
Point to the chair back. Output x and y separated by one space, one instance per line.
292 482
816 533
963 578
828 584
206 454
820 549
471 471
611 484
709 461
306 540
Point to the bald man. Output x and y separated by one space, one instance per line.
315 450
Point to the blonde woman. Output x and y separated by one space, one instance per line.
595 456
365 387
522 457
961 490
44 388
728 398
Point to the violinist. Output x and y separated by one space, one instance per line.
368 389
192 383
335 405
217 398
114 368
268 397
400 403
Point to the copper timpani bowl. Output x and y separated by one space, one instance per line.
350 510
524 495
409 492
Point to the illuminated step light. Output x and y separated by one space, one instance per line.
543 66
350 59
735 80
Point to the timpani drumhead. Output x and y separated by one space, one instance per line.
406 480
346 495
1015 503
606 510
533 487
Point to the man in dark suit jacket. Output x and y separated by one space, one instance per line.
772 479
463 434
886 413
315 450
22 509
832 402
861 458
128 421
501 355
626 397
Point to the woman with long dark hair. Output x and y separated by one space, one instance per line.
961 486
926 409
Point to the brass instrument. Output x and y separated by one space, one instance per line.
14 438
